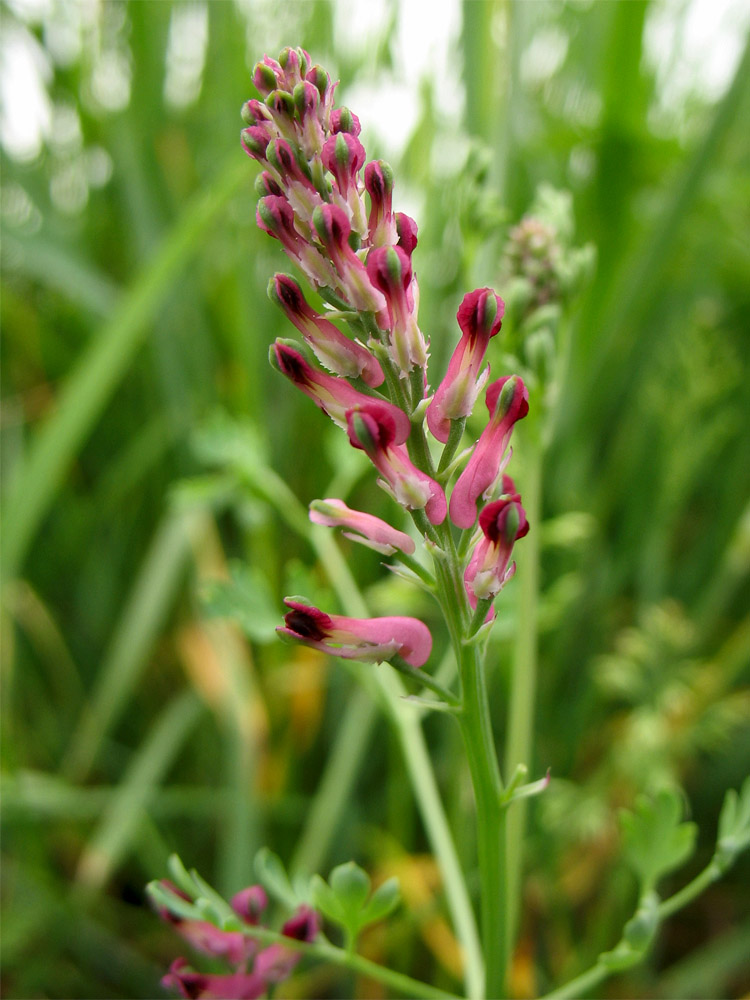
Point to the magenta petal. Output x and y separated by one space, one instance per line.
413 636
202 986
486 463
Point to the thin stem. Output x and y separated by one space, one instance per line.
579 986
454 440
518 748
476 729
400 984
688 893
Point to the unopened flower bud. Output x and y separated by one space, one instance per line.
344 120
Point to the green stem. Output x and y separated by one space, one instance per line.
688 893
400 984
601 970
454 440
476 729
518 748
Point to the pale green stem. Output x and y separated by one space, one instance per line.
476 729
518 748
601 970
401 985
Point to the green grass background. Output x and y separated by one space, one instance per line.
147 706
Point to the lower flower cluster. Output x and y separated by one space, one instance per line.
255 970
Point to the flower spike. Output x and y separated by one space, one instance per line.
507 402
480 317
375 640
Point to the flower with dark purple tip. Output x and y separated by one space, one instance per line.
371 428
389 269
333 230
277 962
331 347
507 402
332 394
375 640
502 522
479 317
205 986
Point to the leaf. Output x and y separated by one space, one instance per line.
734 825
246 599
383 901
656 841
272 874
351 885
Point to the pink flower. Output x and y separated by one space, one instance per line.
372 639
333 230
502 522
331 347
277 962
233 986
343 154
276 217
381 223
361 527
480 317
390 272
507 402
333 395
371 428
209 939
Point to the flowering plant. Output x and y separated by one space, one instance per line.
363 361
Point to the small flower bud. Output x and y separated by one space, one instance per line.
344 120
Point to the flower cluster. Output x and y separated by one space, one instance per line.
333 214
255 969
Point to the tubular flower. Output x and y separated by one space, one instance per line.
277 962
361 527
371 428
375 640
502 522
479 317
332 348
276 217
333 395
333 230
507 402
343 154
205 937
186 982
390 272
379 186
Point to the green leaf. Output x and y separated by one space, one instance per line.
325 900
272 874
246 599
351 885
383 901
656 841
734 825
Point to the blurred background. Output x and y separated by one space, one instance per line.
148 452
